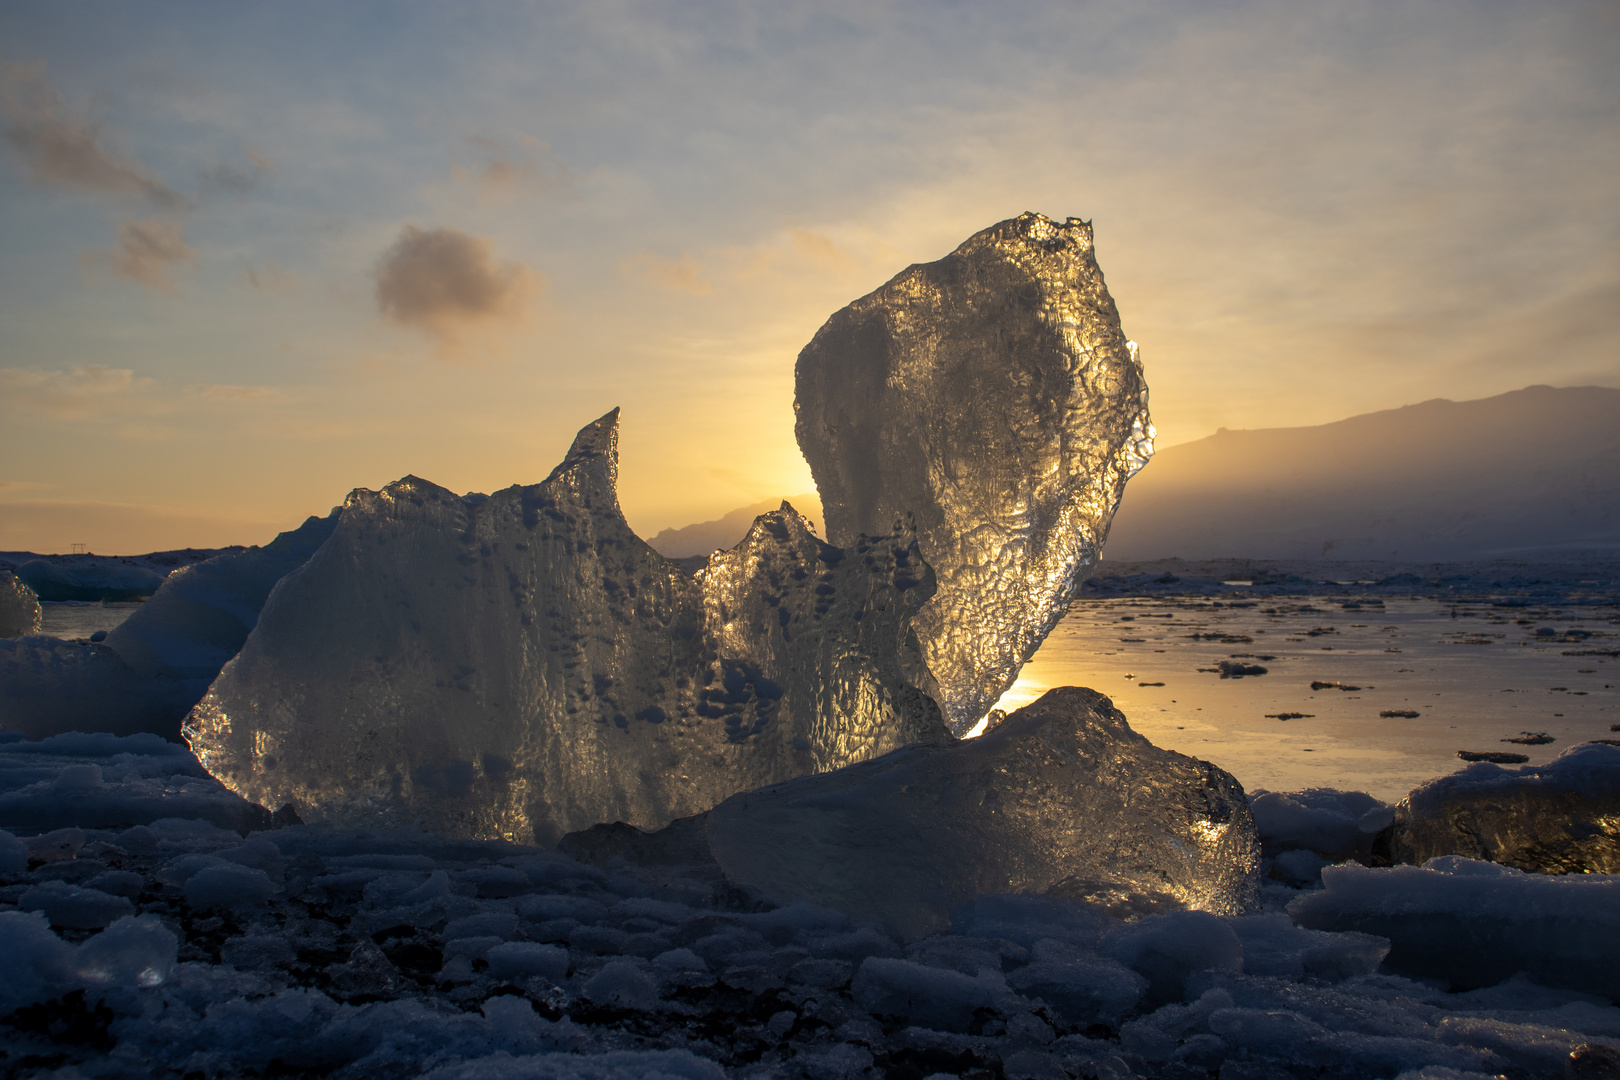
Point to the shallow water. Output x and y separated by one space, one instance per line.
1475 674
72 619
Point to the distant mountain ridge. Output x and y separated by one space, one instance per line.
726 532
1527 474
1530 474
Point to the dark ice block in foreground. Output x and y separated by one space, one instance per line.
1062 798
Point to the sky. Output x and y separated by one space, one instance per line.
255 255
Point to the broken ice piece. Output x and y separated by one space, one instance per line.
1062 798
523 665
1558 818
991 399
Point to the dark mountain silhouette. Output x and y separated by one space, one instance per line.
1534 473
1531 474
707 536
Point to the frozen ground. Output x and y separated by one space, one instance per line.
155 925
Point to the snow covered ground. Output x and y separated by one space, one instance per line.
152 924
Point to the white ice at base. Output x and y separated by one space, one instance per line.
516 935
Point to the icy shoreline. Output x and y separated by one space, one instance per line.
255 950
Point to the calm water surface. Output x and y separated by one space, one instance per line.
1474 675
73 619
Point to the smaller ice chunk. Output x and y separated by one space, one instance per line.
136 951
1475 924
57 845
1336 825
1558 818
38 964
1166 949
19 607
75 907
926 996
1082 990
1061 798
228 887
1273 946
13 854
623 985
524 959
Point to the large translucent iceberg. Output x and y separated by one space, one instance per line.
991 399
523 665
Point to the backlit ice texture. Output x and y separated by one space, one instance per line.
19 607
1558 818
992 397
523 665
1062 798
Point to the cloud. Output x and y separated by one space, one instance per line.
821 250
142 408
234 179
678 275
504 173
67 150
82 393
449 285
272 278
146 251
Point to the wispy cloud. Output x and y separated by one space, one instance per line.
223 176
502 173
272 278
81 393
449 285
146 252
69 150
677 275
143 406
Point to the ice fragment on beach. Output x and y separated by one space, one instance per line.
992 399
1334 824
1475 923
1061 798
524 666
1558 818
19 607
155 665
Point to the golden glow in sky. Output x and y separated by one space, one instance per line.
257 255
